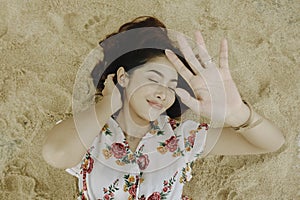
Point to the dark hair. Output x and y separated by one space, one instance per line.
132 49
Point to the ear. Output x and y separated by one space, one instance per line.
122 77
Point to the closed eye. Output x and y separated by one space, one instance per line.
158 82
152 80
172 89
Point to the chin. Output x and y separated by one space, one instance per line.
149 114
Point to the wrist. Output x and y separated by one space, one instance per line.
240 117
252 121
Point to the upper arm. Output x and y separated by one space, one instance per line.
230 143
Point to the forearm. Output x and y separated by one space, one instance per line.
69 140
264 135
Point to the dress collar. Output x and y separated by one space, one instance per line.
156 127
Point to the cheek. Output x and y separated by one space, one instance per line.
136 95
142 92
136 86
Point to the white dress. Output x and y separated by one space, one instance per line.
158 169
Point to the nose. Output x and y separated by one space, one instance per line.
161 94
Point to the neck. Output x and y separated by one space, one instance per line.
131 123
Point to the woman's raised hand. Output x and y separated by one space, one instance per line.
111 92
209 80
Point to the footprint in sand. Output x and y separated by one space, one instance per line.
83 26
30 124
89 29
226 193
95 26
19 185
265 89
91 22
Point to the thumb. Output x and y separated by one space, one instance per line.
183 94
189 101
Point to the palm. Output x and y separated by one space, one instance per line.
209 82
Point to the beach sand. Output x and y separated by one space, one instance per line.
44 43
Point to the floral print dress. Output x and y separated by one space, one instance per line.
157 170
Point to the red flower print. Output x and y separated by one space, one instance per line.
91 165
173 123
86 167
183 197
106 197
143 161
154 196
132 190
109 192
165 189
172 144
203 125
82 196
119 150
191 139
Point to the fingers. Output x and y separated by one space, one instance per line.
189 54
180 67
205 58
188 100
199 39
109 76
108 85
110 90
224 67
224 54
109 80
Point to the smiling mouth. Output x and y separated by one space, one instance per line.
155 105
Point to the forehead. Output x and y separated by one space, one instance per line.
161 64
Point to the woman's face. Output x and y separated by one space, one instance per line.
150 89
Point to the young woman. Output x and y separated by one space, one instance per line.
138 148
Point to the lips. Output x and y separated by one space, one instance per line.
155 104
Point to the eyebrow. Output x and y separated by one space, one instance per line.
161 75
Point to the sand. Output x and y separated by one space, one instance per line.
44 43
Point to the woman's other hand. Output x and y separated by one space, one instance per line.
112 93
208 79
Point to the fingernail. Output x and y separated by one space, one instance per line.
169 52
